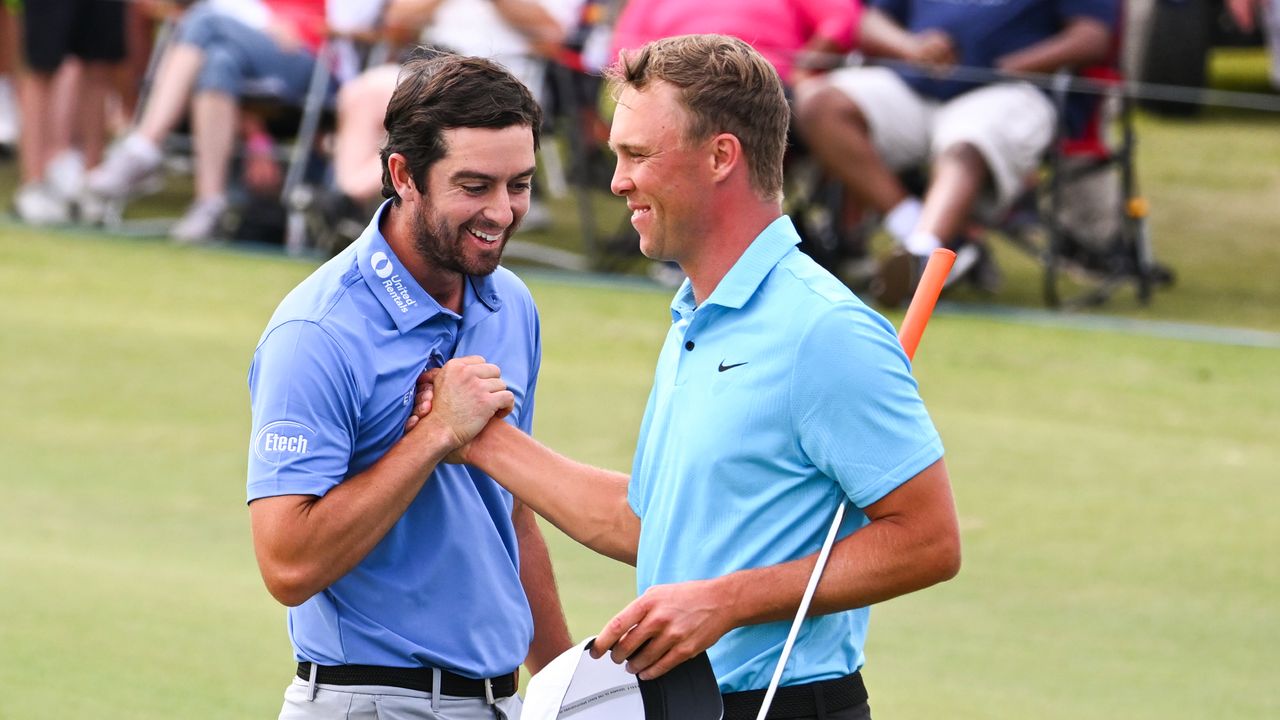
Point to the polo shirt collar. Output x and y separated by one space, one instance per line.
396 289
744 278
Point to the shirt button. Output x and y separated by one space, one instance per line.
688 345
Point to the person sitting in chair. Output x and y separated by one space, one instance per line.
981 139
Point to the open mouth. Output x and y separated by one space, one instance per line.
484 237
639 212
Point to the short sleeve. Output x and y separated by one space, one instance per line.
858 413
305 405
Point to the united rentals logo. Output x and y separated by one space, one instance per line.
282 439
381 265
394 286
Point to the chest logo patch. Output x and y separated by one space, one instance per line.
724 367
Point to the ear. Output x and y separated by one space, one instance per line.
401 179
726 155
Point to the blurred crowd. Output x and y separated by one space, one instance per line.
102 98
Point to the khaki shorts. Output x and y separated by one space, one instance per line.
1010 124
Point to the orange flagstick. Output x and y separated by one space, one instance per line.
924 299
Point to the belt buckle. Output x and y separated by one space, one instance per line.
488 691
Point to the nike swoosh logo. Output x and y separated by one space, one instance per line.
724 367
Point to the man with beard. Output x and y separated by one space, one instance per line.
415 588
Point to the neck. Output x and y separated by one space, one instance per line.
732 228
445 286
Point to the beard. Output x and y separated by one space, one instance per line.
452 249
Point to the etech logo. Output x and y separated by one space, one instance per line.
283 439
381 265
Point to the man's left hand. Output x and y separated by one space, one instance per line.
666 626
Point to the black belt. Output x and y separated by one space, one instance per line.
798 701
411 679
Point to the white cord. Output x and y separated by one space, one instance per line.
803 610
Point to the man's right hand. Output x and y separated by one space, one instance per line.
465 394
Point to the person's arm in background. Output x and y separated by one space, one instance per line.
835 27
550 632
532 20
880 35
1083 41
404 19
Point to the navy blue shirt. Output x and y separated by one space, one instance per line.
983 31
332 384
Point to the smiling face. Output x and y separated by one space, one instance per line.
474 199
663 176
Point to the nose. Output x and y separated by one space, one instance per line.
504 207
621 183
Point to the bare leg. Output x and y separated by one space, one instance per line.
837 133
92 106
958 175
35 98
362 103
214 118
168 101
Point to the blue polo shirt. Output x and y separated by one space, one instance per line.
332 384
773 401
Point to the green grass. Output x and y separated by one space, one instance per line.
1117 492
1117 496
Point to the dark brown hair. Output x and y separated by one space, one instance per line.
440 91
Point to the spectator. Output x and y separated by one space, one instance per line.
867 124
8 63
1246 12
71 47
795 36
514 33
216 57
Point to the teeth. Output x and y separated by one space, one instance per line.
484 236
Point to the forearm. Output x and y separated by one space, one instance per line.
897 553
1082 42
880 36
588 504
550 632
405 18
532 21
305 543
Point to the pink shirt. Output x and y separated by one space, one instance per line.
777 28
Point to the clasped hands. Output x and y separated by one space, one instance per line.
662 628
460 399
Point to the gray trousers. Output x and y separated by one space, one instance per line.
376 702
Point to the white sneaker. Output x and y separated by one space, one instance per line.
132 167
200 221
65 174
36 204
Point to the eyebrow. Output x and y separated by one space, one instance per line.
486 177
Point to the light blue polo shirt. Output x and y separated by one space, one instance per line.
332 384
778 397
